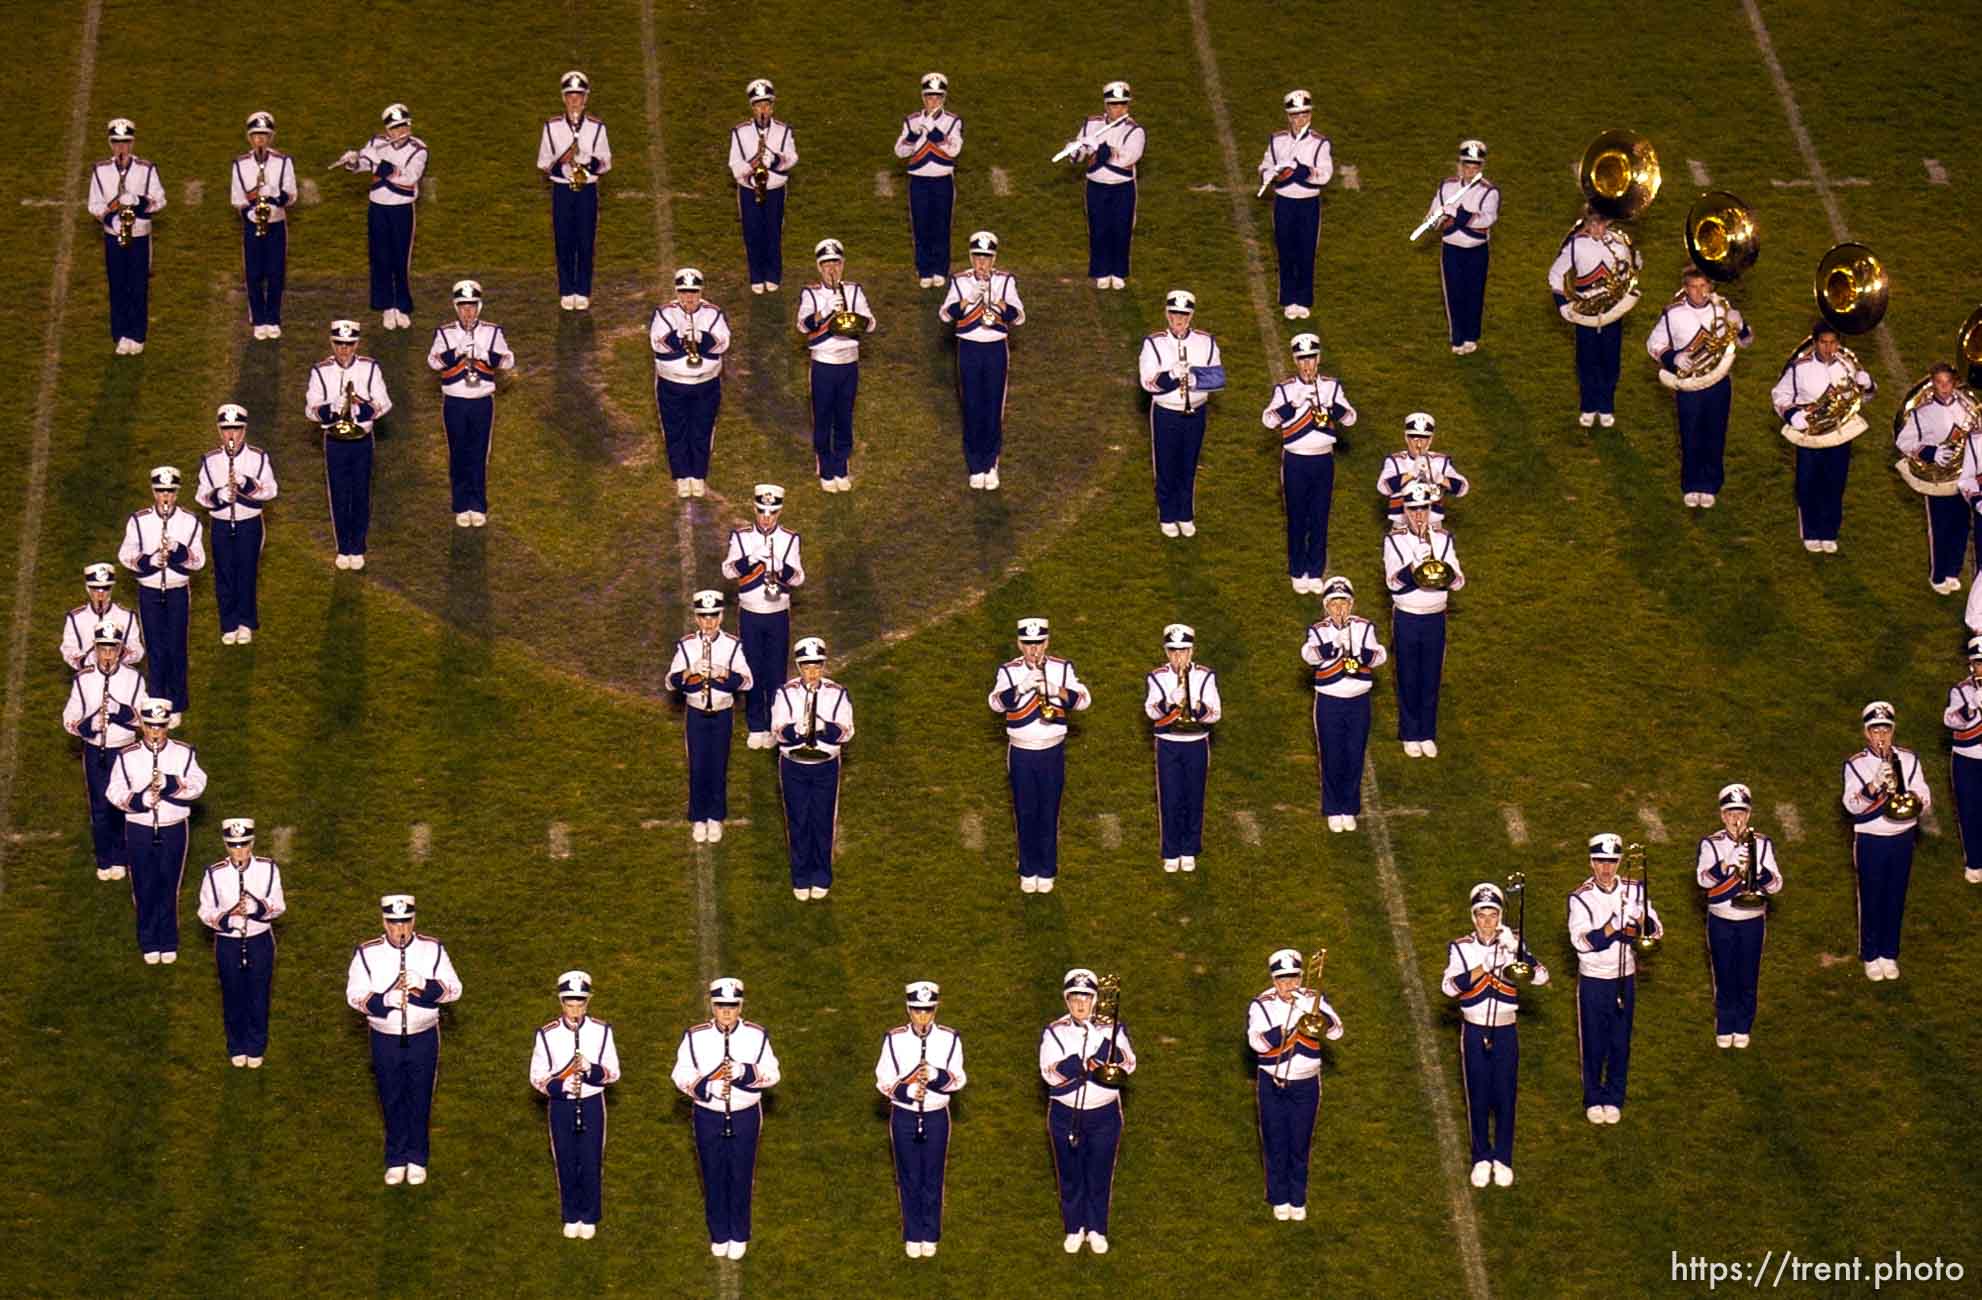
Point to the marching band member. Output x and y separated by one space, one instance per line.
1694 343
1110 145
689 338
1593 265
812 718
1885 793
1606 916
1812 380
920 1068
398 982
104 702
1964 720
162 546
1417 462
468 351
1465 208
835 368
1297 164
710 670
572 153
764 562
1287 1082
79 627
239 899
1344 652
1084 1062
397 161
1306 411
1182 700
1417 619
262 184
154 780
1480 969
571 1061
982 305
762 152
1937 432
1180 368
1737 924
930 141
1034 693
346 396
723 1065
124 195
237 482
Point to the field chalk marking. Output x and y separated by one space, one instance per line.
884 184
1517 826
419 841
280 841
1791 821
1001 182
1930 822
1699 171
1111 830
195 192
560 840
971 827
1936 174
1654 825
1248 826
1351 178
307 193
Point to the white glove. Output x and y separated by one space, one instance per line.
349 159
1541 975
1862 379
1334 1031
1798 420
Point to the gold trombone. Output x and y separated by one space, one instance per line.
1636 860
1110 1073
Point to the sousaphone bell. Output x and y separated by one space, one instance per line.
1619 174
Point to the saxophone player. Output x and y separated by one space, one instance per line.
1593 279
1033 694
1885 792
812 720
346 396
1343 651
237 481
723 1065
572 153
929 143
1964 722
832 315
1420 567
762 152
1308 412
154 782
1694 343
920 1068
1814 377
1734 865
105 699
1181 700
1936 432
163 546
262 185
1287 1082
689 337
124 195
709 670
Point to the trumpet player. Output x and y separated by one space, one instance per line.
572 1059
1343 650
1694 343
396 161
1809 382
1481 967
1418 596
262 184
239 899
981 306
1418 463
124 195
1885 794
764 562
812 718
1298 162
1287 1080
1181 699
762 152
929 143
98 607
237 481
573 152
919 1070
1936 431
724 1065
1964 722
689 337
1465 207
1307 411
1034 693
346 396
709 670
1737 867
163 546
468 352
1180 368
105 699
154 781
1083 1060
1109 145
398 981
1588 279
832 315
1607 915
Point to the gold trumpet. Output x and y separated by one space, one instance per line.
845 321
1108 1011
1902 805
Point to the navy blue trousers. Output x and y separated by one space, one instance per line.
688 423
763 234
265 265
1308 485
470 424
1181 769
106 820
157 864
1039 778
1703 437
1341 738
163 613
1286 1132
767 649
812 814
1084 1146
1950 524
389 243
1820 476
128 271
1491 1076
1111 221
1603 1031
931 200
1296 230
708 764
237 559
1176 440
1462 276
833 389
244 991
1418 660
1735 947
919 1169
1599 356
1964 774
981 393
574 233
1885 865
729 1166
347 474
578 1157
404 1070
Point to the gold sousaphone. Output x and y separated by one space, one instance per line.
1620 177
1723 239
1851 290
1940 478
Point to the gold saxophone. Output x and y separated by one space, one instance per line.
345 428
760 166
127 217
691 341
574 171
262 210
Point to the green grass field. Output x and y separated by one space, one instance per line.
1612 653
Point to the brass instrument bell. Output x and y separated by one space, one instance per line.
1108 1011
1313 1024
1968 350
1635 859
1850 287
1520 968
1432 574
1722 236
1619 174
1904 805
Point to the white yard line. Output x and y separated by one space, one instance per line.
884 184
1517 825
1248 826
1790 820
1111 830
1352 179
46 203
560 840
970 827
195 192
1936 174
419 841
1001 183
1654 826
1699 173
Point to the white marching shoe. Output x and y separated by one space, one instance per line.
582 303
1740 1040
800 894
357 561
151 959
1691 498
1348 821
1594 1114
116 872
1892 973
227 638
1283 1211
928 1247
415 1175
1482 1173
1101 282
819 891
715 831
1072 1244
1608 421
1187 862
254 1063
239 1062
1723 1040
735 1249
1430 747
1707 499
684 487
1503 1175
1028 884
587 1231
1169 529
1044 885
977 480
1830 546
570 1229
1414 749
1813 546
1586 419
1095 1241
103 873
1946 586
991 480
1612 1114
1298 1213
1973 875
1188 527
464 519
1170 864
1114 282
343 561
719 1248
477 519
913 1249
699 832
243 635
168 958
1875 970
1291 312
395 1175
567 302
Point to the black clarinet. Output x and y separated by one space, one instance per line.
405 992
729 1124
922 1099
240 895
578 1101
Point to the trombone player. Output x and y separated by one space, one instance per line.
346 396
1737 867
262 185
1964 722
1481 967
1594 279
811 720
1084 1058
1694 343
1181 699
1932 435
1608 917
1885 794
1281 1027
1420 566
1817 395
